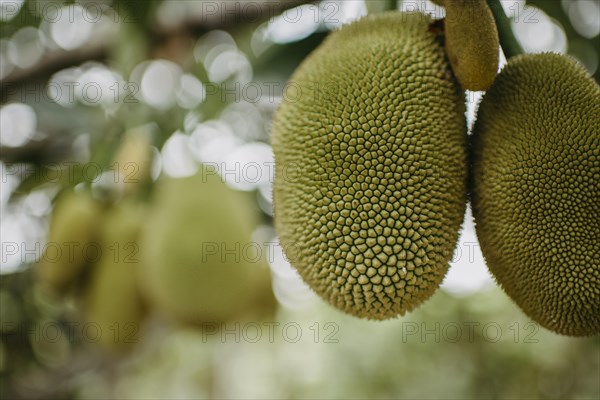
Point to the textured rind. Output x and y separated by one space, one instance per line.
536 190
472 43
196 252
370 184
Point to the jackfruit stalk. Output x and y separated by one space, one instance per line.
371 166
536 189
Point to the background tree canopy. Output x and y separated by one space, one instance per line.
201 79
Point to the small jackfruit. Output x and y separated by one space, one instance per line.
199 263
536 189
71 240
370 183
112 300
133 159
472 43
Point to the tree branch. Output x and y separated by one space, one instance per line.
509 43
225 15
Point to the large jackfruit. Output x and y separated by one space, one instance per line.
71 240
536 189
370 184
112 300
199 263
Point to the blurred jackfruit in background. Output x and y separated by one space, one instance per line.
198 82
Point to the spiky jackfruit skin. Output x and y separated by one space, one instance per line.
71 242
472 43
536 190
199 263
370 184
111 299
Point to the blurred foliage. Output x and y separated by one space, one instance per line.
584 48
44 354
474 347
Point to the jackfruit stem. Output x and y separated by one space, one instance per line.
379 6
509 43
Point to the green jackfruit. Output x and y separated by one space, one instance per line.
133 159
371 166
472 43
536 189
199 261
71 240
112 300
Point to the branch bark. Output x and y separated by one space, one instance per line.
224 14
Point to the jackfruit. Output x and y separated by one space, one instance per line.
371 166
472 43
536 189
71 240
199 263
112 301
133 159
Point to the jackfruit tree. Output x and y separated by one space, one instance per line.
218 193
